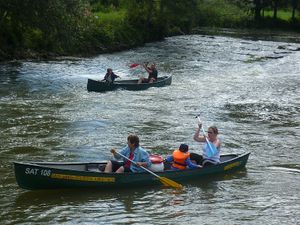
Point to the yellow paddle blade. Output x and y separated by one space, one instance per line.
171 183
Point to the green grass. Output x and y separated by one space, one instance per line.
221 14
110 17
282 14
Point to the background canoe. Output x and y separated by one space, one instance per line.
100 86
39 175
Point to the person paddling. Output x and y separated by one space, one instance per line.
134 152
110 76
152 71
211 150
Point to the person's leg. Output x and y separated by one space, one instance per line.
207 162
197 158
120 170
112 166
108 167
140 80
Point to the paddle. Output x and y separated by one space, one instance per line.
212 148
163 180
134 65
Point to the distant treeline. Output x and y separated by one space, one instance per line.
42 28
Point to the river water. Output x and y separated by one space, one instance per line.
248 88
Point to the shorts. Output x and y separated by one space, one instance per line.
146 80
116 165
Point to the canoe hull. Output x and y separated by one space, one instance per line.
34 176
132 85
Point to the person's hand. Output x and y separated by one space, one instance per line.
139 164
113 151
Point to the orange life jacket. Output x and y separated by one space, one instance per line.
179 159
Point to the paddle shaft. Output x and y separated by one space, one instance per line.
137 164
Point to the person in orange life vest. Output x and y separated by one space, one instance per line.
181 159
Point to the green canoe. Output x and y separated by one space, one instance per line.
102 86
50 175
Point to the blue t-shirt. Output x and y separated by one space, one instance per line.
139 155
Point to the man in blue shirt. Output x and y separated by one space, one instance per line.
132 151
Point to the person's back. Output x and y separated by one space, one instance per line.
181 159
153 73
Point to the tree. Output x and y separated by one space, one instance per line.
257 9
54 25
275 8
295 4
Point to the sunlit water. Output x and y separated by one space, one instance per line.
249 89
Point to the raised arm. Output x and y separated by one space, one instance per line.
197 136
147 68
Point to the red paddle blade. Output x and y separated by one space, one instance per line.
134 65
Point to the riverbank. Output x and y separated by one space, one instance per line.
30 54
253 34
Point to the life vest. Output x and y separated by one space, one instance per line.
156 159
179 159
157 164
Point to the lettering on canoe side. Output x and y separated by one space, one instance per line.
232 165
37 172
82 178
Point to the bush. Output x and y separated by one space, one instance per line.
220 13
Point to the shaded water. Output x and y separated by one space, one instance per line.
248 88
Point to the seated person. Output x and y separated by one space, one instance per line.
110 76
152 71
181 159
132 151
211 151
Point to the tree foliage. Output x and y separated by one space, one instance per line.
49 25
90 26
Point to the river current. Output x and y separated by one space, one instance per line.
248 88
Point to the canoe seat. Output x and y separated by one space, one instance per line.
94 170
95 167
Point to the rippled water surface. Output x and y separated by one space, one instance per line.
248 88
